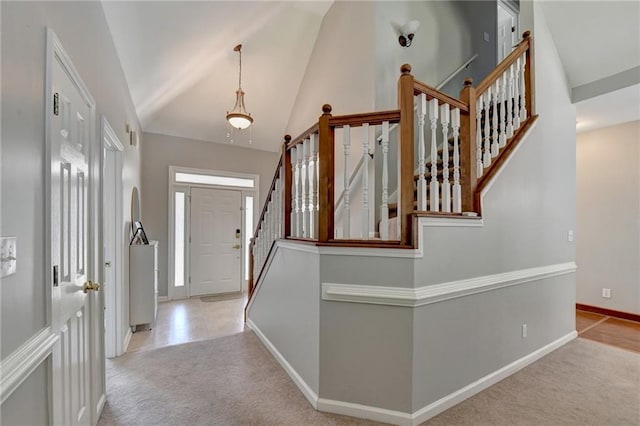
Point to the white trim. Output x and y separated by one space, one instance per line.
371 252
100 405
127 340
297 246
444 403
110 135
452 222
311 396
412 297
16 367
162 299
365 412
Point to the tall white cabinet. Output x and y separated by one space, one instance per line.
143 284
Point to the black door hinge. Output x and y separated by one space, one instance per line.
56 104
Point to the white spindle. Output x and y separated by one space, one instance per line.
365 181
314 184
306 203
422 180
384 213
486 159
502 80
457 193
494 120
510 102
523 94
346 143
479 107
516 95
299 212
294 188
434 196
446 185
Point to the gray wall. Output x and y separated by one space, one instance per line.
82 29
608 234
286 309
161 151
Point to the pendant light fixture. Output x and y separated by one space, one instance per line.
239 118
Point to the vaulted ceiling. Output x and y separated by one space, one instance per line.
182 72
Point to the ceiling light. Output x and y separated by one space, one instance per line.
407 32
239 117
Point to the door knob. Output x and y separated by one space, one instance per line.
90 286
237 246
107 264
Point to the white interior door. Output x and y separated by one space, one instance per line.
216 241
507 31
70 130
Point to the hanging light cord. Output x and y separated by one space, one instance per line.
240 73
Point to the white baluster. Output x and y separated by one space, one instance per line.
422 180
479 107
510 102
523 89
457 192
294 188
516 95
434 196
486 159
346 144
365 181
306 191
384 213
299 212
446 186
502 80
494 120
276 210
313 143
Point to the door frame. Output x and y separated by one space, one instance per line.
113 292
511 9
97 397
172 291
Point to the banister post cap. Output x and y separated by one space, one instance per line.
326 109
405 69
287 139
526 34
468 82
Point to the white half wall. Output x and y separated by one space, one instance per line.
608 230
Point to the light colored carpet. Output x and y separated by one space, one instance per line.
234 381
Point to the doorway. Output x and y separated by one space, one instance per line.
507 29
113 241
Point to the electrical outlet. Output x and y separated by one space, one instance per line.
8 256
570 235
486 37
524 330
606 293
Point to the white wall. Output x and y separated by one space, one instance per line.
161 151
608 230
341 69
82 29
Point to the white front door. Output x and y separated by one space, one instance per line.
70 129
507 31
216 241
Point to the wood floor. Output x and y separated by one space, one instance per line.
611 331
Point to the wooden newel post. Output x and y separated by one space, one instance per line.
326 176
287 181
468 149
405 154
529 75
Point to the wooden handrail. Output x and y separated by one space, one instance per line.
433 93
304 135
372 118
505 64
276 175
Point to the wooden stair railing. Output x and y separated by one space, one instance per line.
479 132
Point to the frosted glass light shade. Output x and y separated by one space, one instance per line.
239 118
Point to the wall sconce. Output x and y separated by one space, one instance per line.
407 32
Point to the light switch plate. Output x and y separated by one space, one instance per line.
486 37
8 256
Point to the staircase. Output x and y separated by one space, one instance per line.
481 129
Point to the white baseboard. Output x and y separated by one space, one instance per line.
437 407
127 339
311 396
163 299
491 379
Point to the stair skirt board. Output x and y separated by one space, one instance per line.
398 417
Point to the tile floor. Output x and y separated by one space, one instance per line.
181 321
